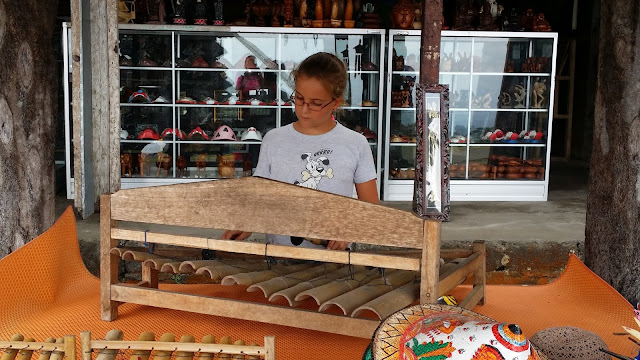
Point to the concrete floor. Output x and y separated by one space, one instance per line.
527 242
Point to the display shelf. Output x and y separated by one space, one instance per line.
226 51
500 83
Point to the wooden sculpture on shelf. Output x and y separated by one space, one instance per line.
143 162
226 165
540 24
326 14
155 11
276 10
288 13
538 94
304 21
402 15
348 14
335 13
347 282
319 15
201 163
126 11
182 164
126 164
519 96
164 163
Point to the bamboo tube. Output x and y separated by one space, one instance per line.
44 355
165 355
10 354
207 339
220 271
107 354
225 340
338 287
392 301
239 356
141 256
58 354
191 266
283 282
351 300
290 293
185 355
172 267
26 354
143 354
259 276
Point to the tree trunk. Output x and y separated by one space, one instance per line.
28 104
612 244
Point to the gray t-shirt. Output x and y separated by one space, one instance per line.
331 162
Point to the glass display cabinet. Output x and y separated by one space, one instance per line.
196 100
500 100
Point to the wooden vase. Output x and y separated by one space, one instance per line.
319 10
348 10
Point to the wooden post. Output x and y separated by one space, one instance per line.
430 42
108 261
480 274
270 348
96 82
430 264
83 175
113 96
85 344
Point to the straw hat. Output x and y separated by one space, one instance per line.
566 343
447 332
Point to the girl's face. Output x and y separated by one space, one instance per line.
314 106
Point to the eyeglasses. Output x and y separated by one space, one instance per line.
298 101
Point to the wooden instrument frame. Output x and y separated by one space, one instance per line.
88 345
260 205
68 347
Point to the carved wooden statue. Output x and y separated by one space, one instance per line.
182 164
304 21
145 168
537 93
288 13
540 24
402 15
155 11
201 163
126 163
218 13
164 163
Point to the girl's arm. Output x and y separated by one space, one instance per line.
368 191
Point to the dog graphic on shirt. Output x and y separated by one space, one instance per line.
315 170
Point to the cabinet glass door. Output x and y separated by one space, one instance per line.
145 102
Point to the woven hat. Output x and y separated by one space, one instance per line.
566 343
447 332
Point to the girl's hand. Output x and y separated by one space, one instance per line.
337 245
235 235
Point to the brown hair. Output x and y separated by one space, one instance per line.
327 68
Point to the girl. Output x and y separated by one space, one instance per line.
316 151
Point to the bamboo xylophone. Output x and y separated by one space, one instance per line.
348 281
167 348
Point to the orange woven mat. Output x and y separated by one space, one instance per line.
47 291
